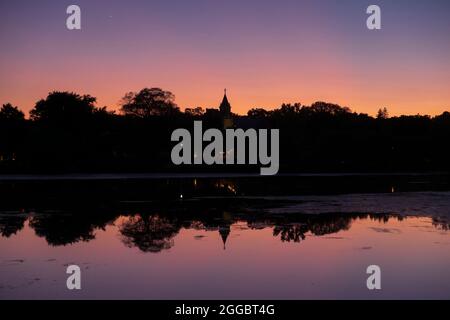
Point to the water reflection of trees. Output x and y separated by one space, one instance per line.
11 224
321 224
291 232
149 233
155 232
68 228
441 223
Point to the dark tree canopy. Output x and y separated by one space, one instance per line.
329 108
195 112
9 112
383 113
150 233
319 108
149 102
258 113
63 107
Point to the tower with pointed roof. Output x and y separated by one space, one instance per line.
224 233
225 111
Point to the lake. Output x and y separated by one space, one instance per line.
297 237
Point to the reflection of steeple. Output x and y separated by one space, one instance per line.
224 232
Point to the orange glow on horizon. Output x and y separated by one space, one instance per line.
242 102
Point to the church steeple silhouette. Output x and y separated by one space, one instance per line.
225 111
225 107
224 232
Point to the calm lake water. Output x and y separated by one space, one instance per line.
227 245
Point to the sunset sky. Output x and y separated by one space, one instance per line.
265 52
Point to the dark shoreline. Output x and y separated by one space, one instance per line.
149 176
109 189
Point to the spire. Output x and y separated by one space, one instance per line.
224 232
225 106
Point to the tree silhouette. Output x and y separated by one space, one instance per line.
149 233
68 228
149 102
11 224
258 113
12 133
195 112
292 232
63 107
288 109
328 108
383 113
10 113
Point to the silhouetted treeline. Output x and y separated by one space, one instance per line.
328 137
66 132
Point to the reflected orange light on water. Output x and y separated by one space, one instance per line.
256 263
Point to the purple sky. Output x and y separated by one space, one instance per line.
264 52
